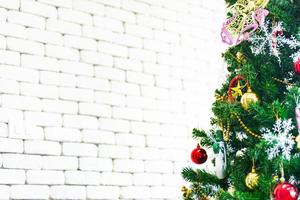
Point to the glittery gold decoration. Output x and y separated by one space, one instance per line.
245 127
248 98
240 57
252 178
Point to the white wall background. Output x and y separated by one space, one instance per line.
98 98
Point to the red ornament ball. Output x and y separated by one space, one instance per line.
297 66
285 191
198 155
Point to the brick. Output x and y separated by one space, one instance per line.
103 192
108 23
79 121
98 137
26 19
82 178
37 90
147 179
3 14
140 102
38 62
172 179
96 58
145 153
3 130
125 88
95 164
38 8
110 125
139 31
67 192
74 16
76 68
127 113
99 33
119 14
79 149
110 98
165 192
12 4
129 40
62 52
109 73
130 140
88 6
113 49
62 134
158 166
42 147
158 46
95 109
139 78
156 69
29 192
54 78
19 161
112 151
44 119
11 145
155 92
44 36
9 86
2 42
163 13
12 176
63 27
79 42
60 163
135 192
9 57
128 64
76 94
4 192
58 3
45 177
112 178
14 30
115 3
149 21
22 46
121 165
59 106
142 55
93 83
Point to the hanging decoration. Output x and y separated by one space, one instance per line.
236 87
297 115
241 58
252 177
246 129
225 130
198 155
297 66
248 98
285 191
220 159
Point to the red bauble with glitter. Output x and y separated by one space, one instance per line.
297 66
198 155
285 191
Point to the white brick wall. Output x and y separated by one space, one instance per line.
98 97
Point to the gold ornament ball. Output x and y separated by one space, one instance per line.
248 98
240 57
252 179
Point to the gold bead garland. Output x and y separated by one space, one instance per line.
245 127
226 131
283 82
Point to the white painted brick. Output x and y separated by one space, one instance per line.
6 114
63 27
98 137
82 178
62 52
143 55
9 86
37 90
44 119
114 3
9 57
88 6
139 78
21 129
157 46
3 14
139 31
163 13
110 124
20 161
149 21
129 40
59 106
159 192
145 153
67 192
119 14
4 192
22 46
113 49
127 113
11 145
99 33
112 151
74 16
2 42
140 102
112 178
14 30
95 109
158 166
12 176
17 73
96 58
135 192
44 36
135 6
76 68
125 88
79 121
54 78
95 164
60 163
45 177
12 4
172 180
130 140
155 92
76 94
128 165
156 69
149 179
110 98
38 8
79 149
107 23
38 62
26 19
166 36
21 102
58 3
29 192
157 116
3 130
42 147
166 59
93 83
128 64
62 134
109 73
103 192
79 42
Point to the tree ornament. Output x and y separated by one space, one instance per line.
285 191
243 125
198 155
221 161
240 57
248 98
252 178
297 66
297 114
187 192
236 87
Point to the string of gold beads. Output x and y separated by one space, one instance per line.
246 128
283 82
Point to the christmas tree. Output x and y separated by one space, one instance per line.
256 124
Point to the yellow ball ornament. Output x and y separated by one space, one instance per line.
248 98
252 179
